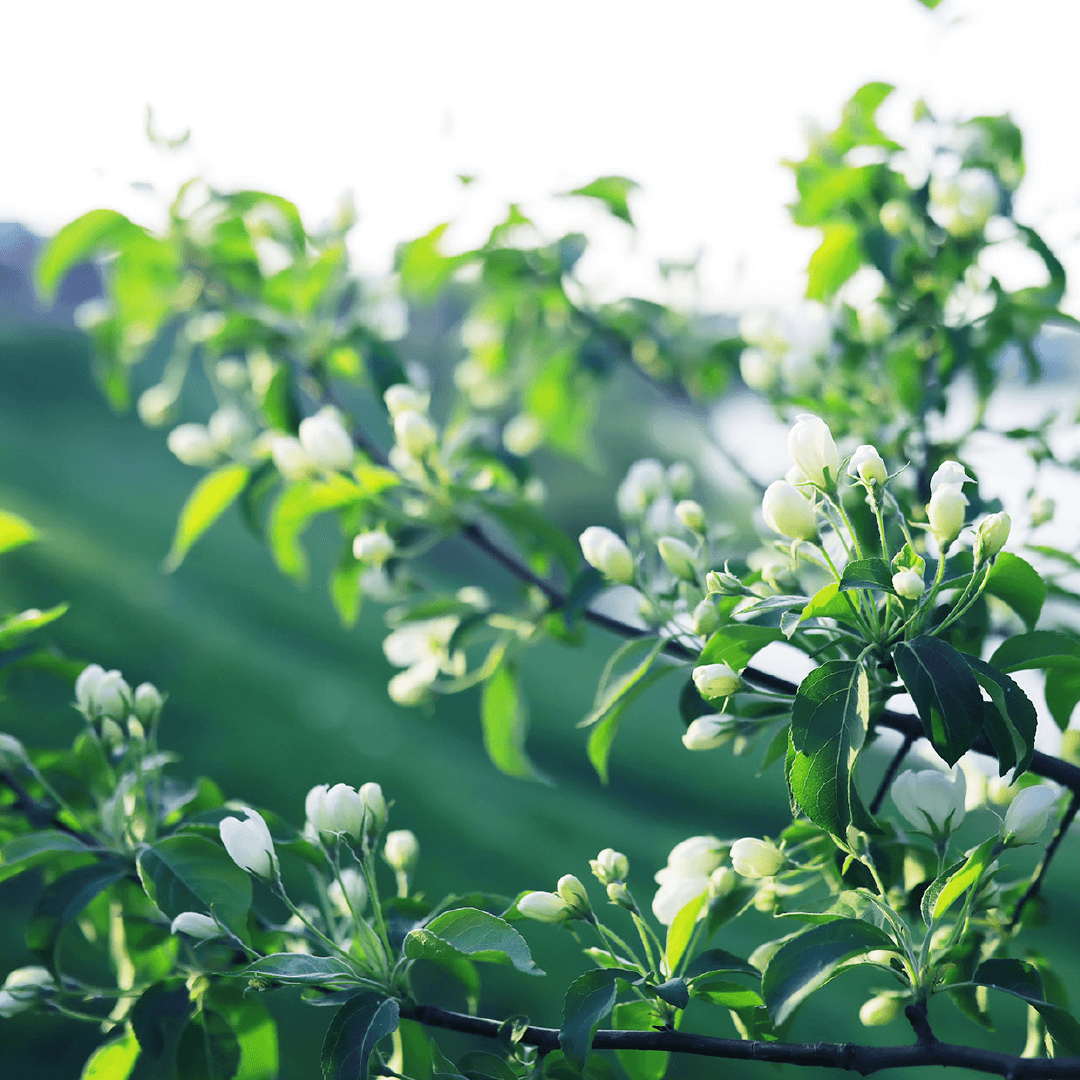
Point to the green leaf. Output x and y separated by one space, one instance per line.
14 629
602 735
838 257
114 1060
1022 980
674 992
736 645
942 893
807 961
504 715
158 1019
208 1049
720 960
868 574
300 968
345 589
612 191
681 931
76 242
829 718
615 683
31 850
945 692
1039 649
1062 693
639 1064
353 1034
472 933
14 531
1018 584
181 869
292 513
715 988
254 1029
588 1000
536 533
209 499
1010 717
65 899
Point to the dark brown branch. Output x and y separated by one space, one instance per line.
891 771
861 1059
1044 865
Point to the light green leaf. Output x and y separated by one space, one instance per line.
209 499
292 513
345 589
76 242
114 1060
14 629
622 671
945 692
735 645
681 931
838 257
809 960
472 933
504 714
14 531
25 852
1018 584
612 191
868 574
639 1064
942 893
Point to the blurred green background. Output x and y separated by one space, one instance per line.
269 696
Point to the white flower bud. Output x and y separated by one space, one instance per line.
716 680
231 373
195 925
759 370
192 444
545 907
154 405
721 881
867 464
619 894
694 855
990 538
1042 509
22 987
931 801
786 511
475 597
610 866
415 433
690 515
325 440
522 434
705 617
290 458
675 893
708 732
680 479
908 584
608 553
249 844
644 481
148 703
754 858
945 513
402 397
229 428
678 557
337 809
1029 813
374 801
12 752
102 693
573 893
373 547
813 450
349 895
879 1010
401 850
949 474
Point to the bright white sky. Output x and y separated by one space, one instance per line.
696 100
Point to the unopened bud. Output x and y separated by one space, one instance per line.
414 432
725 583
401 850
545 907
12 752
1029 813
706 617
573 893
786 511
196 925
148 703
908 584
402 397
990 538
678 557
754 858
608 553
813 450
325 440
708 732
945 512
373 547
619 894
522 435
716 680
610 866
868 465
879 1010
690 515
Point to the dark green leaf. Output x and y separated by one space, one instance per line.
714 960
209 499
674 992
158 1019
945 693
588 1000
183 868
868 574
829 717
24 852
504 714
1010 717
472 933
1019 585
356 1028
735 645
65 900
1022 980
208 1049
1062 692
806 962
1038 649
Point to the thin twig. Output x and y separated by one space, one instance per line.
891 771
41 813
861 1059
1044 865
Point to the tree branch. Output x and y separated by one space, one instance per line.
854 1058
1051 850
